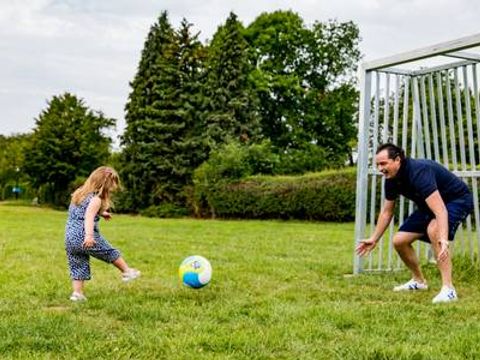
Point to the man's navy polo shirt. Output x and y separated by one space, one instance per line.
417 179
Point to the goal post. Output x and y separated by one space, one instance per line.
427 102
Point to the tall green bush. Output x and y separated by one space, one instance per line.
326 196
227 163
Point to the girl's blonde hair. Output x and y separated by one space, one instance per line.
102 182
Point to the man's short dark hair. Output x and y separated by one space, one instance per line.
393 151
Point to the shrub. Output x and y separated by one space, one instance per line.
328 196
232 161
309 158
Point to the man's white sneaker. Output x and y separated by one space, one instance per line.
76 296
130 274
411 285
446 294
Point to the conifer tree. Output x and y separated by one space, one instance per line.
185 147
160 149
232 110
147 94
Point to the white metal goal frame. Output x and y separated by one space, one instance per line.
427 102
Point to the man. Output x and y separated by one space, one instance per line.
443 202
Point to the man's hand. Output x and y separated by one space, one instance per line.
443 253
365 246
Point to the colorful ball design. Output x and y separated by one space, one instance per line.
195 271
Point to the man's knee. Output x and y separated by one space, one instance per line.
402 239
399 240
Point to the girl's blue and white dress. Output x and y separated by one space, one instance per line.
78 256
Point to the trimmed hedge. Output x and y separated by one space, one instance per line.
326 196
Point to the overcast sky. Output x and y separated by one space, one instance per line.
91 48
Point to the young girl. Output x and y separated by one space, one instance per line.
83 239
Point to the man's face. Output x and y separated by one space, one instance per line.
388 167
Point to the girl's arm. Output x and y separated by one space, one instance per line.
92 211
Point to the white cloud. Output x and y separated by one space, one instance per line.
92 48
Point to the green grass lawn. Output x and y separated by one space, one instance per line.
278 291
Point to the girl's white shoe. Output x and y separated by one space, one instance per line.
130 274
76 296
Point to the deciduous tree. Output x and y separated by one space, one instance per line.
68 141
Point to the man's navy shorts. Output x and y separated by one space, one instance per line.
458 210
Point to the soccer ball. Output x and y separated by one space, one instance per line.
195 271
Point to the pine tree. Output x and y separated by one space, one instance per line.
232 107
184 148
138 155
190 144
160 150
